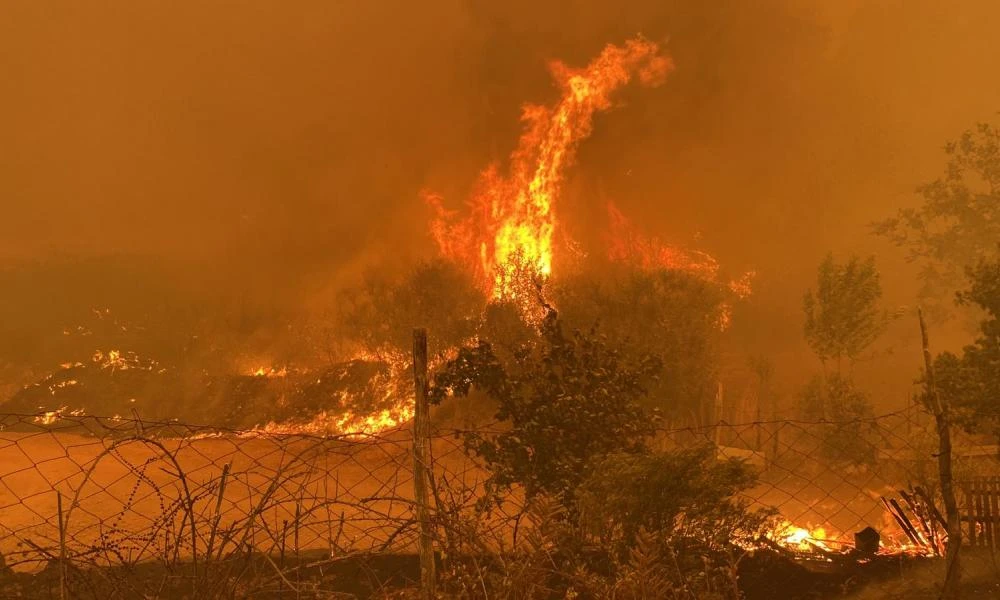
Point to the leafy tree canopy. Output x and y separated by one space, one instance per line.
971 381
562 401
958 223
669 314
686 493
843 317
383 311
849 435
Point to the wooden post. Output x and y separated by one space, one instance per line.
776 434
718 414
909 416
326 504
298 556
759 426
284 535
763 370
953 572
62 548
421 440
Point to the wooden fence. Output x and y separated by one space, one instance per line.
981 512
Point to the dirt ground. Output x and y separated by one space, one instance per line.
138 496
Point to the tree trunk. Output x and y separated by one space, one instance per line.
953 569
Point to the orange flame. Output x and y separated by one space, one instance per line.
269 372
628 245
823 541
802 539
508 232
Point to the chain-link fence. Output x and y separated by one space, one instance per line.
840 476
88 491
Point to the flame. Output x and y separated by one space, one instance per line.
392 410
269 372
507 235
802 539
819 539
116 360
50 417
628 245
348 423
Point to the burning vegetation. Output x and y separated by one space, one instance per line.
493 280
510 227
586 386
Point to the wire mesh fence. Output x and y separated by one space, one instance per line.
111 492
137 491
840 475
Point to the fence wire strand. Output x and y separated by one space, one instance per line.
138 491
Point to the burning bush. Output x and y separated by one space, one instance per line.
121 384
110 383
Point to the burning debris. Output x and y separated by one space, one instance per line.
811 543
802 540
922 530
866 542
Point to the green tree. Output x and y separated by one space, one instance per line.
847 435
644 525
669 314
562 401
971 381
685 493
673 524
843 317
382 312
958 223
572 434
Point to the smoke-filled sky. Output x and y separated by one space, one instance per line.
288 142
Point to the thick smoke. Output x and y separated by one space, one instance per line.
259 156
